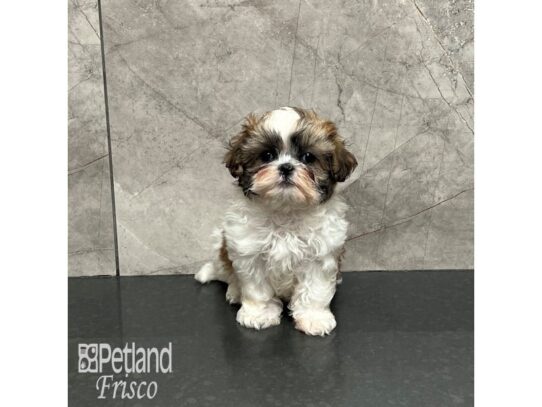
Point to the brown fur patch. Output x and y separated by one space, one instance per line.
224 258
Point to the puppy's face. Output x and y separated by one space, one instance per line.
289 157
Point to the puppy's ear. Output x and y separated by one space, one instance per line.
233 158
344 162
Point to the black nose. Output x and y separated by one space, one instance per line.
286 169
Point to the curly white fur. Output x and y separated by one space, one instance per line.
292 256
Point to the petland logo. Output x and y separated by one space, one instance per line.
101 357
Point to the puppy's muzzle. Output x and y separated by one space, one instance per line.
286 170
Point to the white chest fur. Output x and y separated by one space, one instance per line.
280 243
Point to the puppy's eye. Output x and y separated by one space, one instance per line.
267 156
307 158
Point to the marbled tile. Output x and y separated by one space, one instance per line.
90 218
453 23
447 250
404 108
181 75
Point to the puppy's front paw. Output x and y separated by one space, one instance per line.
315 322
259 316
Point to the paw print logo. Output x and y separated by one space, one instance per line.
88 358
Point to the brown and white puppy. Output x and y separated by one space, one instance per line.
283 239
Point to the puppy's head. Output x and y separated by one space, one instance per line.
289 157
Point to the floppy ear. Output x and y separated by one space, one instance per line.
344 162
232 158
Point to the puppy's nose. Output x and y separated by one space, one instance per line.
286 169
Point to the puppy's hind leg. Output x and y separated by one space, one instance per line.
221 269
218 269
215 271
233 293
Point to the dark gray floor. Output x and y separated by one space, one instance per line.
403 339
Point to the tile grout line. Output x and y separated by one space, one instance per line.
108 130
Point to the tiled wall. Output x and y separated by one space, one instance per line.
396 76
91 249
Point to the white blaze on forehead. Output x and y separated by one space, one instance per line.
283 121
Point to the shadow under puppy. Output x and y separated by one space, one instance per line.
283 238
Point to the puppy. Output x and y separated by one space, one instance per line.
283 238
